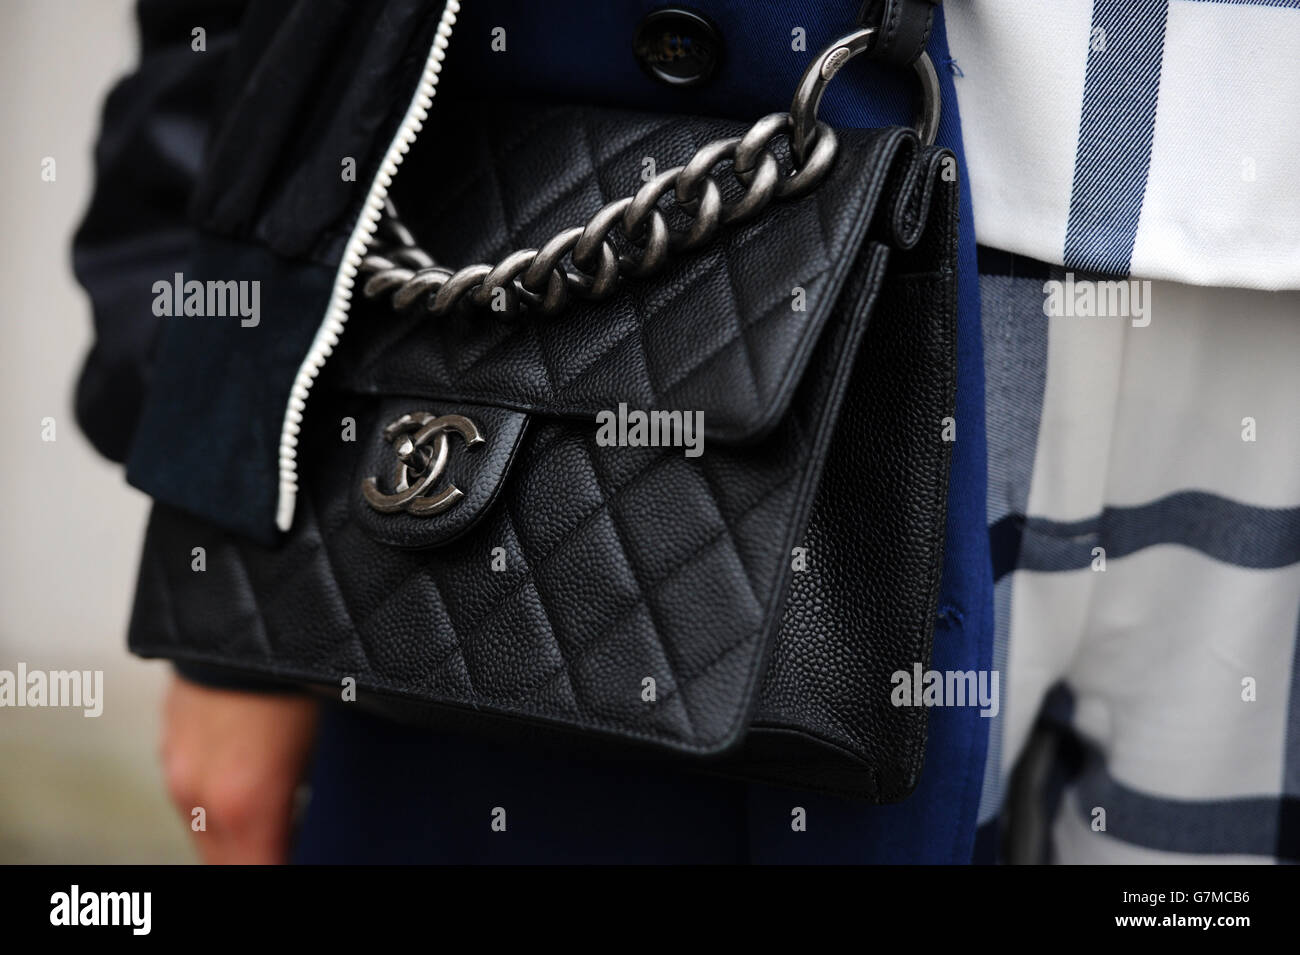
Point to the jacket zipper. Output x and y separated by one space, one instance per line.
336 312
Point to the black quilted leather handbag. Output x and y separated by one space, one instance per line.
668 483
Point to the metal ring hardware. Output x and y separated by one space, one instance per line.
813 83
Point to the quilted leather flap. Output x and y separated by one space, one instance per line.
726 330
581 570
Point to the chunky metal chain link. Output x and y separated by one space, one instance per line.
584 260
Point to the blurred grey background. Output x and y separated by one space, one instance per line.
72 789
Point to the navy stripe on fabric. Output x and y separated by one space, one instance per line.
1246 825
1262 825
1226 530
1116 126
1005 535
1015 380
1252 825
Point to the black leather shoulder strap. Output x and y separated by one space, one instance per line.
903 28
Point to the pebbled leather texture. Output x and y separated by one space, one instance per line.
618 564
715 333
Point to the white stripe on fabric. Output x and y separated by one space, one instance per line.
1019 89
1222 203
1229 90
1133 414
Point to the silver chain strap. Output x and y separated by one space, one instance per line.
584 261
540 279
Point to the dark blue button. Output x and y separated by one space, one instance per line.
678 47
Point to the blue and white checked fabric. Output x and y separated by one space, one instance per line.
1171 452
1152 137
1144 473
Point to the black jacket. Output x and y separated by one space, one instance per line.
229 163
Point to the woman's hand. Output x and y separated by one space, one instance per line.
239 757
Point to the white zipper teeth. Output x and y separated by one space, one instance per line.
336 313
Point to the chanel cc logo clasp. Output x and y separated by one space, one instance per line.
420 463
